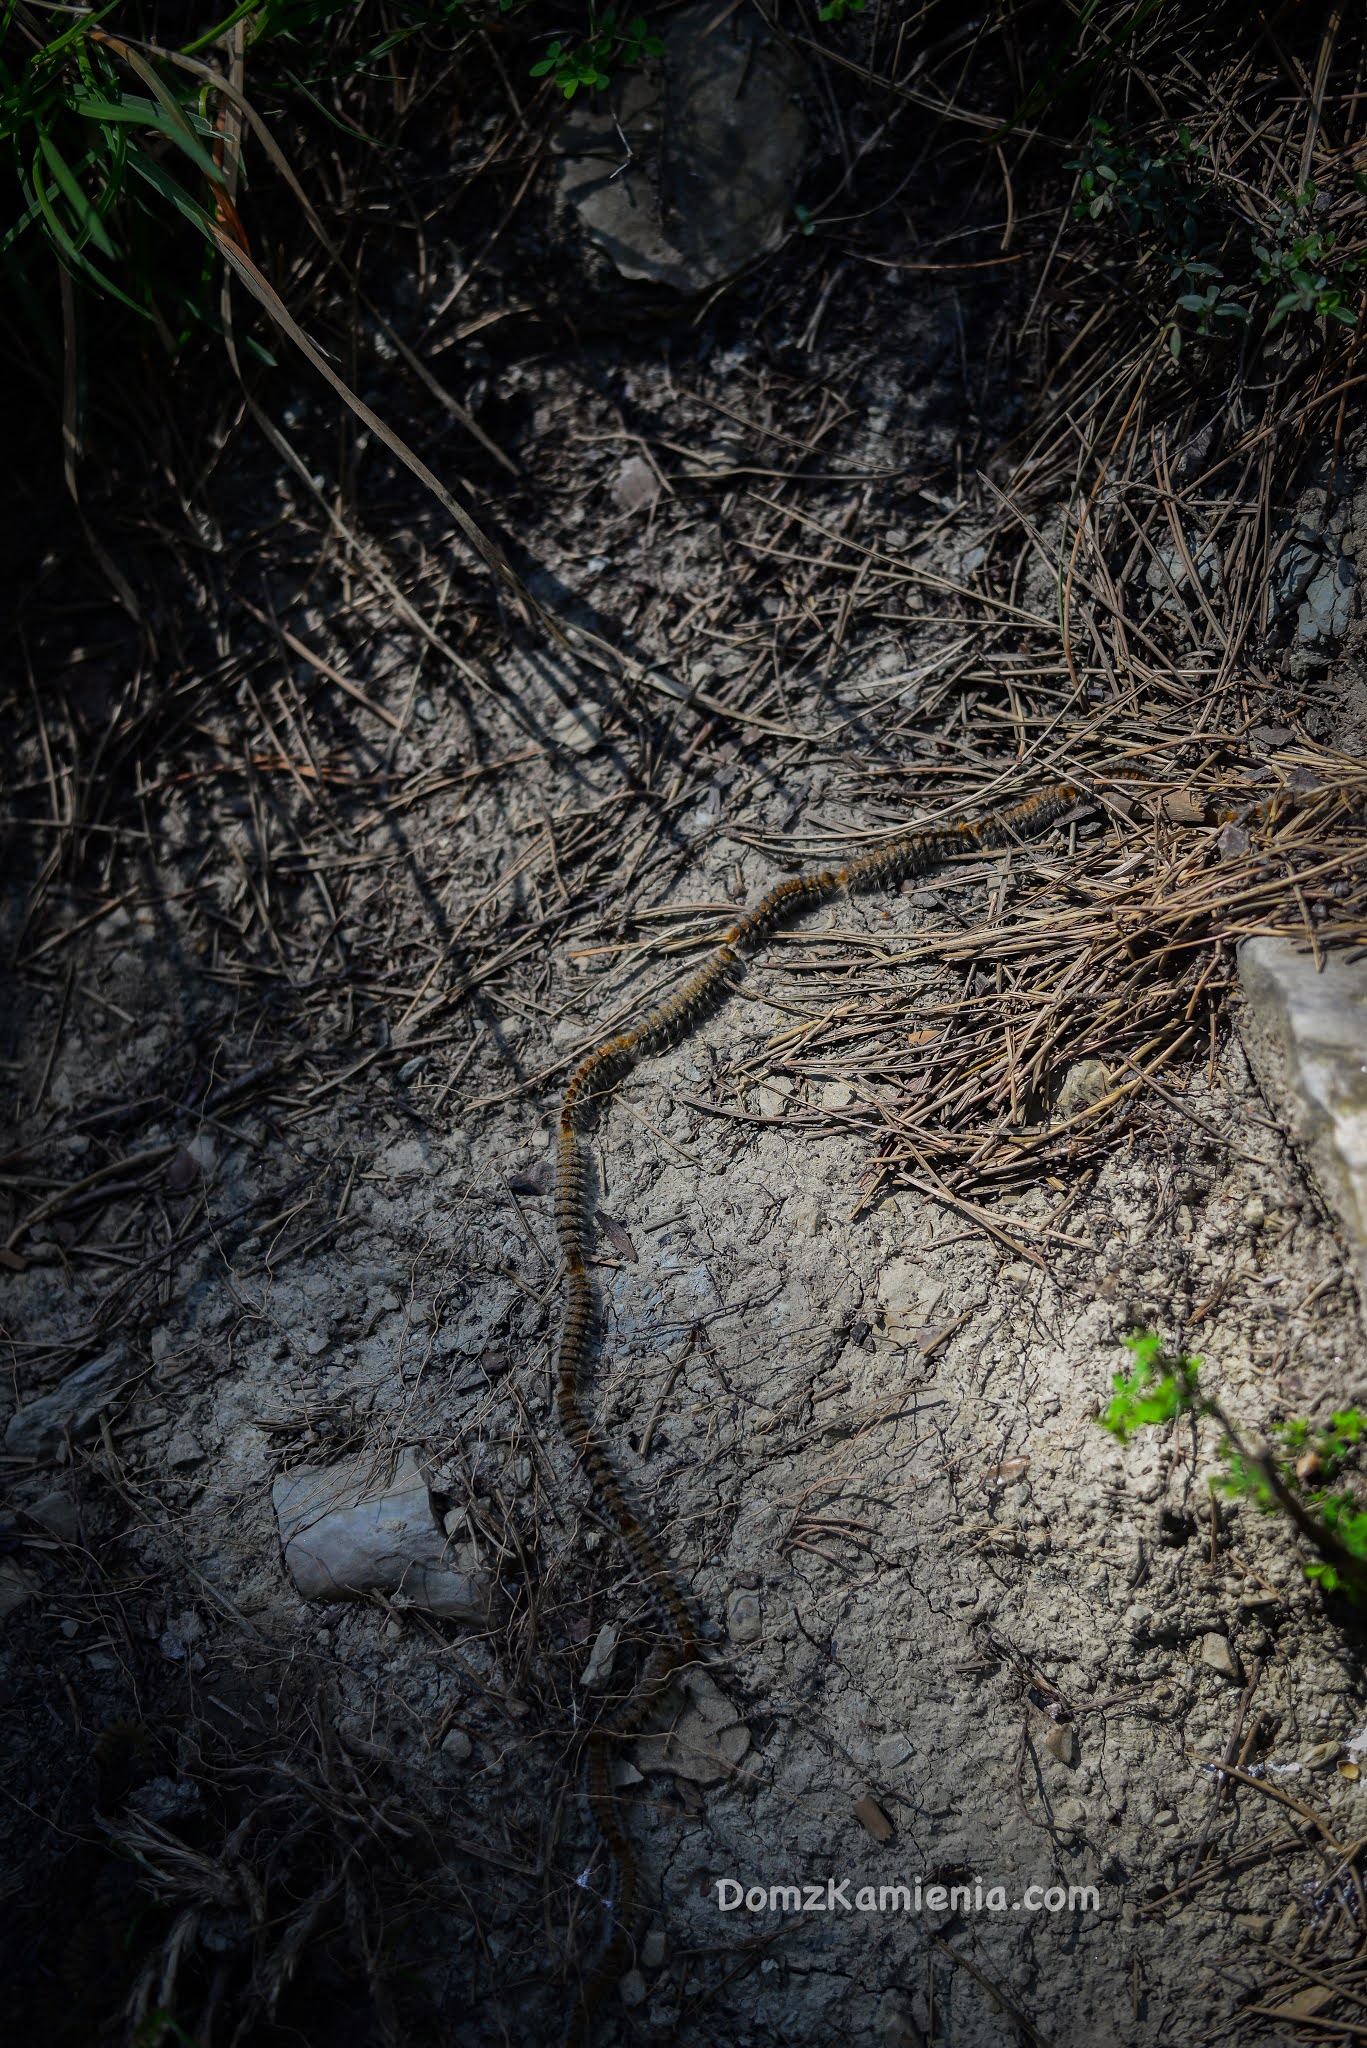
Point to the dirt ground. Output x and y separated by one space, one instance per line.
341 893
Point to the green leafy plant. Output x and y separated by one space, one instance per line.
108 131
1296 1475
837 10
1302 268
1165 199
586 62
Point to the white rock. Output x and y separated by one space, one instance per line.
74 1406
895 2026
347 1530
893 1751
598 1670
635 486
411 1155
577 730
1306 1036
1061 1741
632 1988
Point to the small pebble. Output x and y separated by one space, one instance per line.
653 1949
457 1747
633 1988
1061 1741
744 1621
599 1667
894 1750
1217 1655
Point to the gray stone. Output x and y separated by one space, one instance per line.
1306 1036
349 1529
457 1747
744 1622
73 1407
716 138
1300 557
707 1739
58 1516
16 1587
1327 607
1217 1655
894 1751
598 1670
635 487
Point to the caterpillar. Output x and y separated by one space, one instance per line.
914 853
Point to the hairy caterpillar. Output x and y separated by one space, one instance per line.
913 853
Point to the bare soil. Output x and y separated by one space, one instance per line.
311 914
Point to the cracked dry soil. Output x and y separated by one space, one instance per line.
960 1636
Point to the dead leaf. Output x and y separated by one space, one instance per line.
872 1819
616 1235
1006 1474
1307 2003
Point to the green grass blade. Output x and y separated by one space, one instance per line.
147 167
142 114
76 258
91 227
180 130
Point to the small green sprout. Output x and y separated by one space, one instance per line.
1156 1391
571 65
1294 1475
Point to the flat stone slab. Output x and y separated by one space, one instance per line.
686 171
706 1741
72 1408
1305 1032
347 1530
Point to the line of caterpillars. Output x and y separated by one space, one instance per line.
914 853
